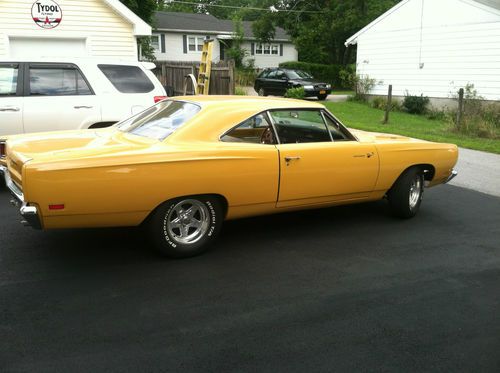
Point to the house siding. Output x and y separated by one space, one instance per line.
264 61
458 44
174 48
106 33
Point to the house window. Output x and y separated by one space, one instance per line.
195 43
155 42
267 49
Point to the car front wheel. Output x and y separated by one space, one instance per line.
406 194
185 227
262 92
322 97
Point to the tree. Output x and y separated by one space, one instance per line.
145 10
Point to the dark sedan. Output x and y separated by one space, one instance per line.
277 81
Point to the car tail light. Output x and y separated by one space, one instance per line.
3 148
160 98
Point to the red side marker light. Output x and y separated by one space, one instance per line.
159 98
56 207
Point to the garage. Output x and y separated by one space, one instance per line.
77 28
32 47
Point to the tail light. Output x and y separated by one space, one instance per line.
159 98
3 148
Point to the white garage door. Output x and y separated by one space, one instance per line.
46 47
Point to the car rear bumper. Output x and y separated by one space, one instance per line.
28 213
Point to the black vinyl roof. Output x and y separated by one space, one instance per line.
176 21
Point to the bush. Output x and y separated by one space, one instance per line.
239 91
298 93
415 104
381 103
327 73
478 118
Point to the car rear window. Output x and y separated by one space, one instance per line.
161 120
127 79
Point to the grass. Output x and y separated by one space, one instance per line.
360 116
341 92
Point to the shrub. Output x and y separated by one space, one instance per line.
363 86
415 104
298 93
239 91
327 73
478 118
381 103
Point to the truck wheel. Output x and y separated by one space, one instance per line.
186 226
406 194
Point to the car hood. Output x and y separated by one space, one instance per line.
307 82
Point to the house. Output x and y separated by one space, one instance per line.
95 28
433 48
179 37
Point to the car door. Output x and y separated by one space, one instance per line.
320 162
58 97
11 100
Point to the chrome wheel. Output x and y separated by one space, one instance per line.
188 221
415 191
261 92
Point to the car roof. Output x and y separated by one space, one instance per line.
74 60
251 102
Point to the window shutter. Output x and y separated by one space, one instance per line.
185 43
162 43
281 49
253 49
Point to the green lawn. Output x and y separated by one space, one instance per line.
363 117
340 92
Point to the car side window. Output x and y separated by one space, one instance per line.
280 74
272 74
8 80
57 81
300 126
335 130
127 79
256 129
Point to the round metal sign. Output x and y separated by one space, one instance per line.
46 13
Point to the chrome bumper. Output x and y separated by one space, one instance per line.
452 175
29 213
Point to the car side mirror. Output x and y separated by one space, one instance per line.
284 77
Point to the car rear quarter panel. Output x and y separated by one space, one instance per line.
124 194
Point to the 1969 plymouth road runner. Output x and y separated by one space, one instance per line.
183 166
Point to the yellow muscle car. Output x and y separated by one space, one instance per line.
183 166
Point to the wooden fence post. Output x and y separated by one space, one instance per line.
460 107
388 105
232 83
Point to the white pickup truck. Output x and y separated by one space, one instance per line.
74 93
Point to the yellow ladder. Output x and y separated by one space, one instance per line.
203 83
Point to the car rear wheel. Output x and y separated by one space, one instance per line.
322 97
406 194
185 227
262 92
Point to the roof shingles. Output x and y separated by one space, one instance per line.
176 21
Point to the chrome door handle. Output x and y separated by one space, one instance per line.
288 159
9 108
83 107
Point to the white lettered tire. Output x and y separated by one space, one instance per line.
185 226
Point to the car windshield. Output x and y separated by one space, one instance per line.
298 74
160 120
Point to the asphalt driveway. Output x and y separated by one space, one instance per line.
341 289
